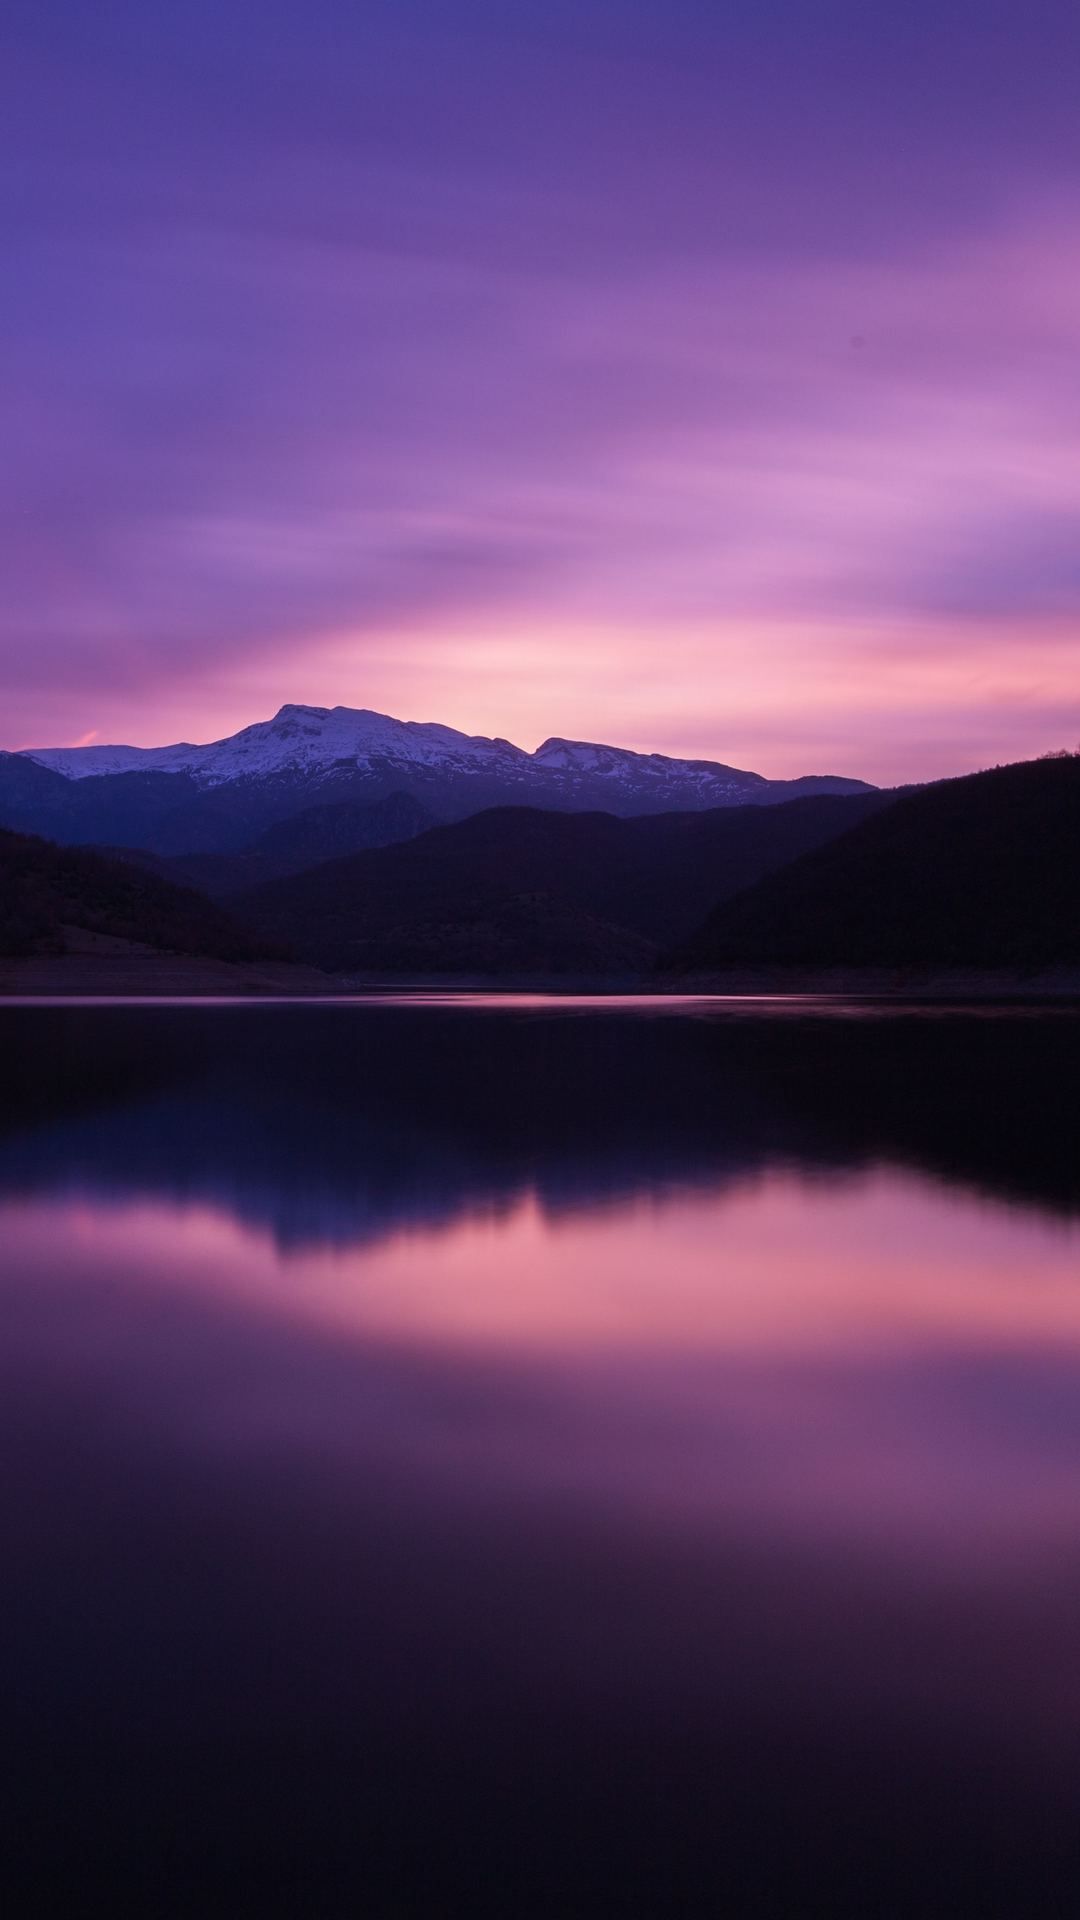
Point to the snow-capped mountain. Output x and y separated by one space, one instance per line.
310 740
302 740
220 796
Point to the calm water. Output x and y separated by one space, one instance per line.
536 1459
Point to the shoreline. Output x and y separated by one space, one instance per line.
177 976
133 976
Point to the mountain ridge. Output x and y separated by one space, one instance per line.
220 798
308 737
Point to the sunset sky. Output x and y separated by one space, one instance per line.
693 375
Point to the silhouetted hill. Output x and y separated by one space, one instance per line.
125 808
975 872
349 826
45 891
319 833
519 890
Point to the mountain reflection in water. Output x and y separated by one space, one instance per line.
532 1459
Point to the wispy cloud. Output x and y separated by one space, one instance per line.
529 389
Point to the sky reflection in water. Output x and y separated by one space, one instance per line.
486 1460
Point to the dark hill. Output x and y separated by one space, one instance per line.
169 814
318 833
125 809
347 826
520 890
975 872
45 891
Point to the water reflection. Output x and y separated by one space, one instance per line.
341 1124
528 1463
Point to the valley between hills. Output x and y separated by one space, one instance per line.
329 851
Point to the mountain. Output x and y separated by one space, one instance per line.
318 833
975 872
125 808
347 826
55 899
520 890
223 796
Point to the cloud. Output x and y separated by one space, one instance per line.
421 340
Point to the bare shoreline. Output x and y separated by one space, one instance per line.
178 976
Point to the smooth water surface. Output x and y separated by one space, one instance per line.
538 1458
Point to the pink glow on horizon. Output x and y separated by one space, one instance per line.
876 709
757 543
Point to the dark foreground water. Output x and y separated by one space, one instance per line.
533 1460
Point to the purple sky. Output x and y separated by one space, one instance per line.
693 375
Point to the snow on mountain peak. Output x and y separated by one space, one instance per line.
298 738
312 743
588 757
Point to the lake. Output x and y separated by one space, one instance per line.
535 1457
